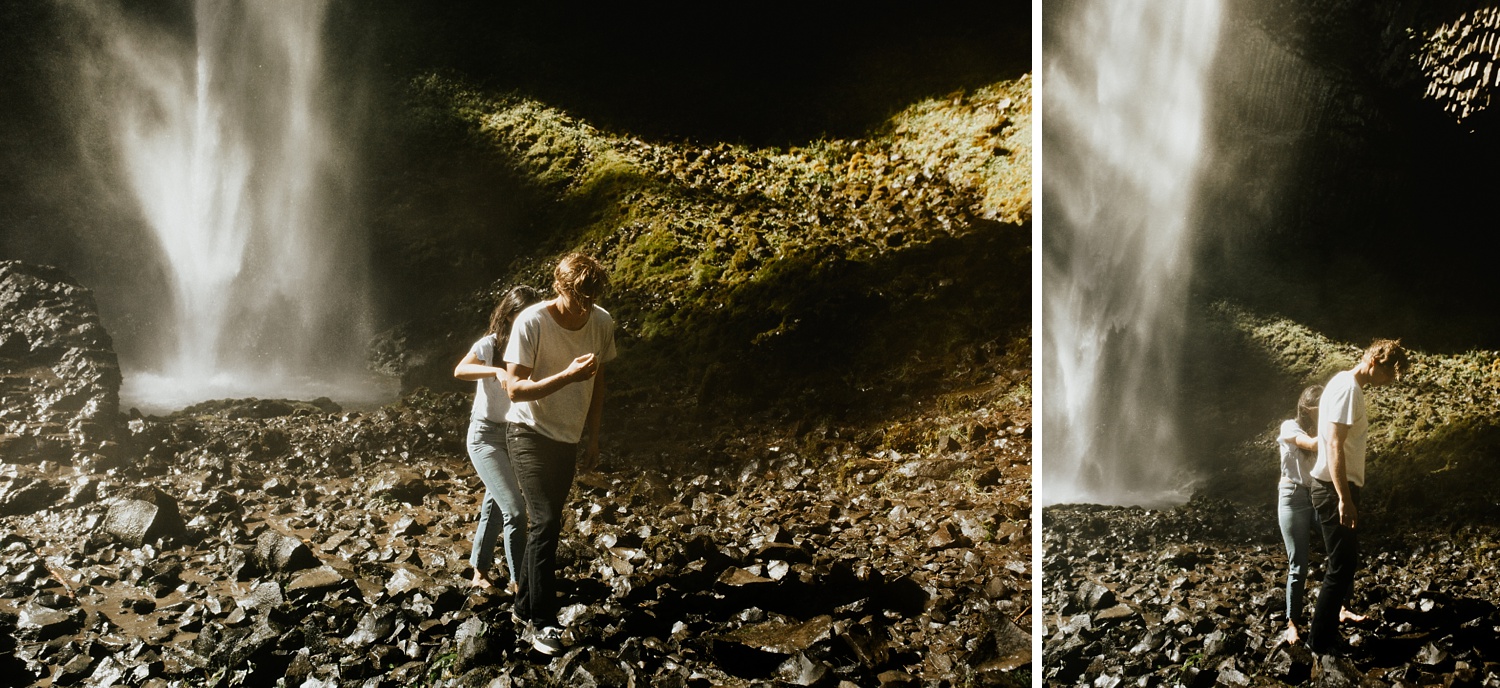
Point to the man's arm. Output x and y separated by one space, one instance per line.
1338 435
520 386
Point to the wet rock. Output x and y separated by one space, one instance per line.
261 409
135 522
1004 647
74 670
1094 596
1290 663
38 623
598 672
896 679
62 374
160 577
375 626
670 578
1332 671
277 552
782 637
264 597
943 537
1431 655
401 485
407 526
736 577
801 670
26 495
251 647
320 579
474 645
108 672
404 581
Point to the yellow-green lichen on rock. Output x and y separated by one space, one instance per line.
1435 431
684 227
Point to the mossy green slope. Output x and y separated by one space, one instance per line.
732 257
1434 436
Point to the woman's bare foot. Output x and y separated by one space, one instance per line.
480 582
1346 616
1293 634
514 588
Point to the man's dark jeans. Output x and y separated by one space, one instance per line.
1343 558
544 468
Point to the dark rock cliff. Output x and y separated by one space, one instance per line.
59 378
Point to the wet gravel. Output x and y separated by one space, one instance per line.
1194 596
245 548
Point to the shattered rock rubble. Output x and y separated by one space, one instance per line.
266 542
1195 596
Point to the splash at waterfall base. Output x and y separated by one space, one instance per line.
221 133
1195 594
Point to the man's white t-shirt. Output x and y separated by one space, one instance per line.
539 343
490 400
1343 402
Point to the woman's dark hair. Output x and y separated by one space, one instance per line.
1307 408
518 298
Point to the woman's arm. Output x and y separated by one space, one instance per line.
1305 442
471 369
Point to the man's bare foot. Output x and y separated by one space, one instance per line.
1293 634
480 582
1346 616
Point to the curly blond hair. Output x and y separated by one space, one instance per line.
1389 352
580 274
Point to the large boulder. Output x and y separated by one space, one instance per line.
59 376
142 515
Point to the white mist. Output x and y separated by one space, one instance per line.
230 143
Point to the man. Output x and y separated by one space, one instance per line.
1339 475
555 361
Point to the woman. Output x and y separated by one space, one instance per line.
1299 451
486 441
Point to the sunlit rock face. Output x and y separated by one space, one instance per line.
1460 60
1126 111
59 380
225 133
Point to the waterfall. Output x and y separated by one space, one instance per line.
230 144
1125 90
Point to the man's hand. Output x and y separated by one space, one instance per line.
1348 515
590 457
582 368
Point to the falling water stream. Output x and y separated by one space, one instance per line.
1124 88
231 145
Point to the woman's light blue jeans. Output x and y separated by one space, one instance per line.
503 506
1294 511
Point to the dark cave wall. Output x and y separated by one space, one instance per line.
1338 194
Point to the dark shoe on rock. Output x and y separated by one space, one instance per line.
546 640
